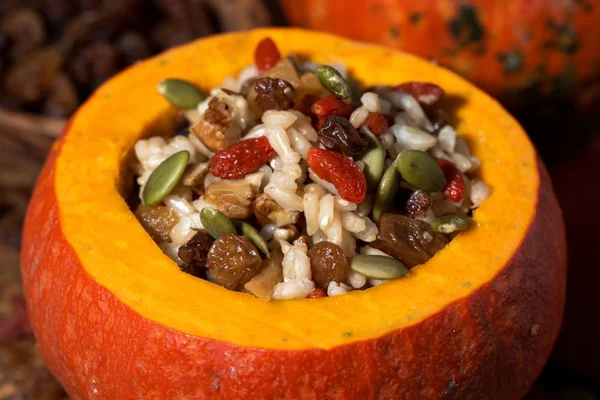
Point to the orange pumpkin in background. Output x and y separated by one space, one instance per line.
115 318
522 52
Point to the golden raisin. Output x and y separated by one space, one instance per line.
233 260
157 221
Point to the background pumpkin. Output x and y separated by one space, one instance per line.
115 318
524 52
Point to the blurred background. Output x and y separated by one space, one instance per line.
540 58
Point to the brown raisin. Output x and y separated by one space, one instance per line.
437 116
195 252
317 294
408 240
274 94
338 134
328 264
233 260
418 203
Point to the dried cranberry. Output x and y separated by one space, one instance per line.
274 94
455 184
418 203
377 123
317 294
195 252
266 55
328 264
338 134
426 93
233 260
408 240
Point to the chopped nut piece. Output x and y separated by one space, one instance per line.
271 274
216 129
232 198
267 211
287 232
194 174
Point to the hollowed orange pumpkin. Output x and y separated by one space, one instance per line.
116 319
523 52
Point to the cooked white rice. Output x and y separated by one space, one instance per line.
295 188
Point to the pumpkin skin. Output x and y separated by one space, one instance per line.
522 52
116 319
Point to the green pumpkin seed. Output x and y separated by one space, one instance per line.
333 81
253 235
215 222
181 93
374 159
421 170
164 178
387 189
378 267
451 223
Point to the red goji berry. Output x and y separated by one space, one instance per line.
339 170
319 122
241 158
377 123
455 184
266 55
331 105
316 294
426 93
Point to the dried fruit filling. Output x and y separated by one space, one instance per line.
284 188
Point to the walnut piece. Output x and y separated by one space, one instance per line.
267 211
216 129
232 198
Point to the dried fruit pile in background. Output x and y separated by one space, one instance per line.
53 54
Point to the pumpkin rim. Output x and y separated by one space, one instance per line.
89 167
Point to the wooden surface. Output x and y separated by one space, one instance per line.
24 142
